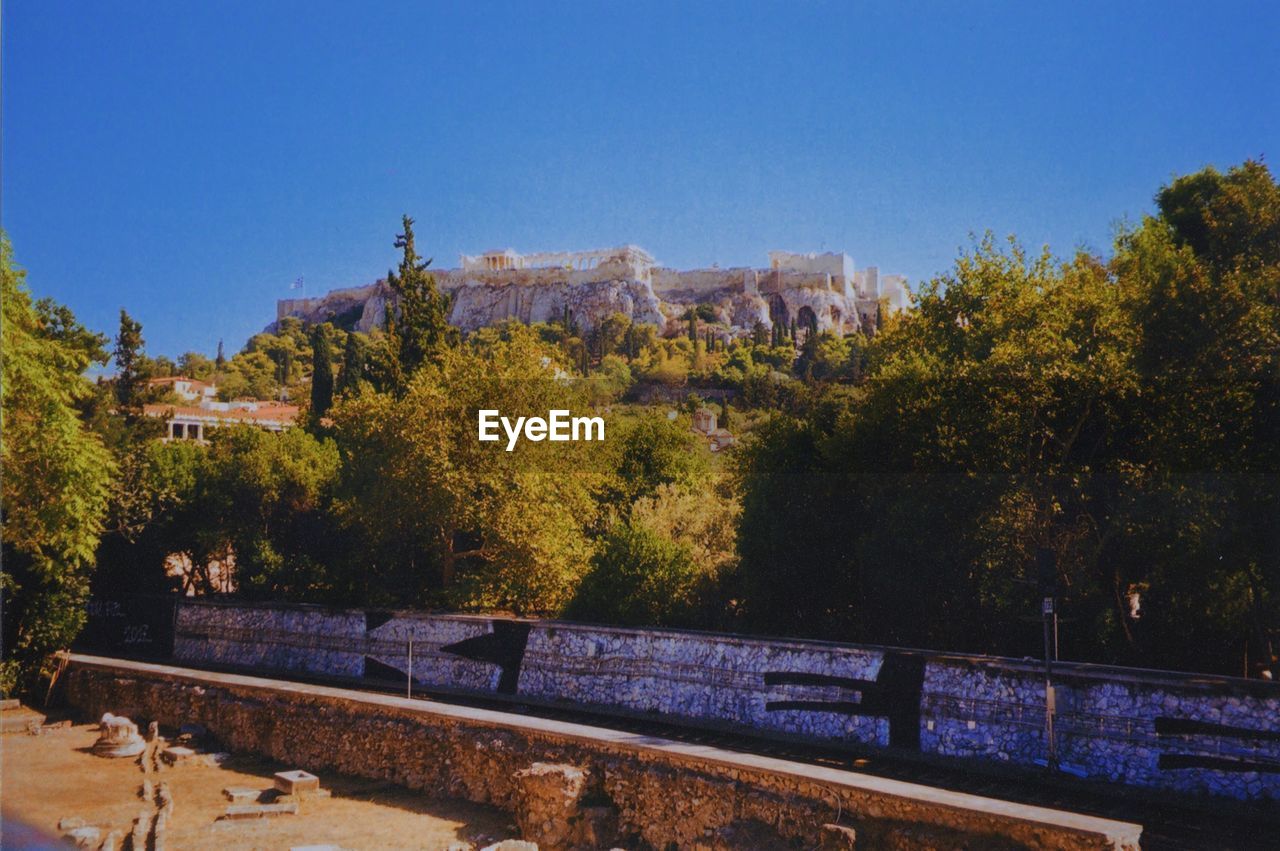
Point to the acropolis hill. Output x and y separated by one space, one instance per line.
500 285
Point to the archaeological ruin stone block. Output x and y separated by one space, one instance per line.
118 736
252 811
296 782
177 755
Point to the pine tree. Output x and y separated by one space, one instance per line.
128 357
321 373
422 327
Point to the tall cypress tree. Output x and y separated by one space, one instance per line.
422 327
321 373
352 365
221 360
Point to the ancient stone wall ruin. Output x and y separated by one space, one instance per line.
1187 733
572 787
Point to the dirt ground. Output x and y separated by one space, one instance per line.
54 776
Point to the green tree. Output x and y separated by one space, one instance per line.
249 375
153 515
130 374
440 517
1202 284
353 364
651 453
638 578
266 496
196 365
57 476
418 325
321 373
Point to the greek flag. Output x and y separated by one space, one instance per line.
296 285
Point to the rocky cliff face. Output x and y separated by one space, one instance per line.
481 302
475 306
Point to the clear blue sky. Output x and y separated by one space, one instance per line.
188 161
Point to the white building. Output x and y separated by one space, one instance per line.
190 389
193 422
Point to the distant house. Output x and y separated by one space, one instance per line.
191 389
704 423
193 422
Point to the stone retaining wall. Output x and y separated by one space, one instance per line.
634 789
1186 733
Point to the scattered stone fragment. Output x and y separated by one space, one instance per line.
16 718
113 842
147 792
838 837
160 830
70 823
216 759
512 845
241 794
141 829
296 782
164 797
248 811
177 755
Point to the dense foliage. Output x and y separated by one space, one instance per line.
1117 420
1123 416
56 476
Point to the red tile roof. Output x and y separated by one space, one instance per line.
267 411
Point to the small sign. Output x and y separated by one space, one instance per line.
1047 606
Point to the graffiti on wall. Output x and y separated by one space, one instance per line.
894 695
1167 727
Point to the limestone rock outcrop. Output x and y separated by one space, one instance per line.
822 290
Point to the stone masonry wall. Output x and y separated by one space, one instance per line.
1184 733
648 792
